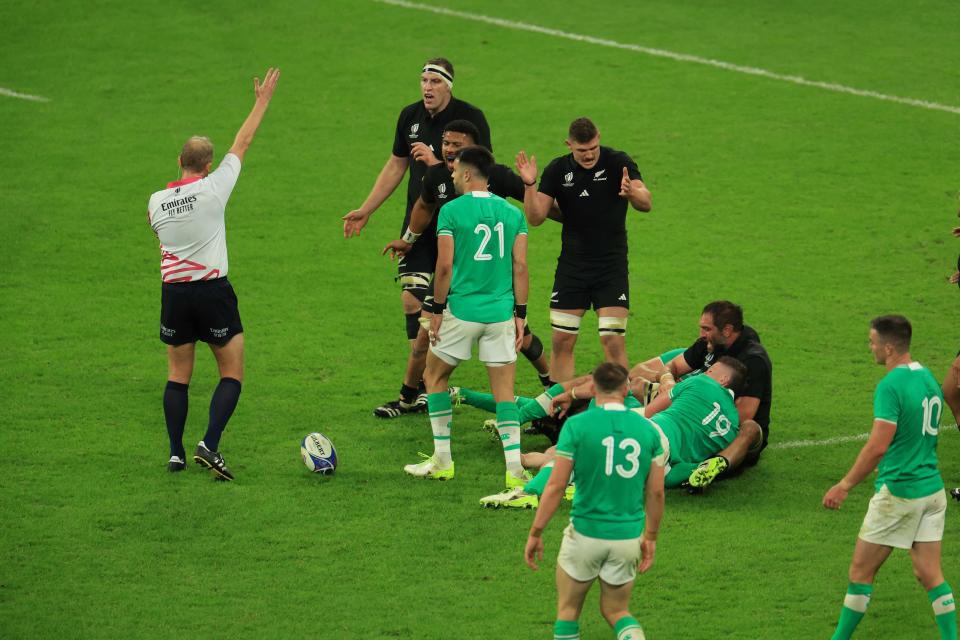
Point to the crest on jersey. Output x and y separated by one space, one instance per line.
413 130
568 179
442 188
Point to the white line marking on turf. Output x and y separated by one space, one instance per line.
796 444
681 57
23 96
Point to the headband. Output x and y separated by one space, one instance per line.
440 71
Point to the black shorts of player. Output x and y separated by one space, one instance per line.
415 269
203 310
596 287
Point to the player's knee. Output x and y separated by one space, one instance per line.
612 614
566 326
533 348
414 289
612 327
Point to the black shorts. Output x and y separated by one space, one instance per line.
583 288
415 269
203 310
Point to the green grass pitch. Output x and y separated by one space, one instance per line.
814 209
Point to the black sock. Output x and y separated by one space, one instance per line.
175 413
222 404
545 380
408 394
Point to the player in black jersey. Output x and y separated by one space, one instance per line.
436 191
592 187
416 144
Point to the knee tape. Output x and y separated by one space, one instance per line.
416 283
534 351
565 322
427 307
413 325
611 326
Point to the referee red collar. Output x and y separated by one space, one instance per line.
180 183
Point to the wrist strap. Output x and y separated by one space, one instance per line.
438 307
409 236
520 310
530 184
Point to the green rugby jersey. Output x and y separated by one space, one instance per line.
910 397
484 227
630 402
612 450
701 420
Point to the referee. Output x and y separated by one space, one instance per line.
197 301
592 186
416 144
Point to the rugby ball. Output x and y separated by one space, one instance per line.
318 453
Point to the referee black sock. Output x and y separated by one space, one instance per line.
175 413
222 404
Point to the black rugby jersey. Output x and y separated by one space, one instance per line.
594 214
748 350
416 125
438 187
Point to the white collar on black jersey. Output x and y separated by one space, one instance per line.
613 406
480 194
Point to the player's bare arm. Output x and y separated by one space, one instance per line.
549 502
658 404
521 283
747 407
635 192
441 283
653 507
536 205
263 94
390 176
420 217
869 457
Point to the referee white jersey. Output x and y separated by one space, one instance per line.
188 218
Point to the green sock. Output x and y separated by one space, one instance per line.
540 480
627 628
508 426
441 415
479 400
566 630
854 607
944 609
540 406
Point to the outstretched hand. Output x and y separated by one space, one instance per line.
397 249
527 167
626 186
353 222
264 91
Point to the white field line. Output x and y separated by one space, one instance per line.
680 57
23 96
796 444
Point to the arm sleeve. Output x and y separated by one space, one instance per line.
886 404
550 179
696 354
506 184
426 188
224 179
400 147
445 222
757 376
566 445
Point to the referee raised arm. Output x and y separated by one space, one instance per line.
197 300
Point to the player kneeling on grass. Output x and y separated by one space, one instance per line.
618 460
197 300
480 295
907 511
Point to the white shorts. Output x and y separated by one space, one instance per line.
497 341
584 558
899 522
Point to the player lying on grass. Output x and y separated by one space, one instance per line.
695 419
722 332
618 457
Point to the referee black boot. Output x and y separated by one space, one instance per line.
212 460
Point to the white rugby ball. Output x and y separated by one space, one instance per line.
318 453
